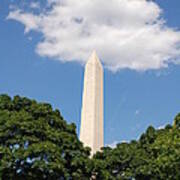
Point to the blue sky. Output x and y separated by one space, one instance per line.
135 96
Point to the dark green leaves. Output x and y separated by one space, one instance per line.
37 143
156 155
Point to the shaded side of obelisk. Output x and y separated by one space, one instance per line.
92 115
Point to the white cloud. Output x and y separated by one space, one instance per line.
114 144
162 126
125 33
30 21
34 5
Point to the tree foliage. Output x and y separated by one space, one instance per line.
37 143
156 155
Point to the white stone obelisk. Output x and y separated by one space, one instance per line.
92 126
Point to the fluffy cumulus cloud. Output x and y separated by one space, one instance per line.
125 33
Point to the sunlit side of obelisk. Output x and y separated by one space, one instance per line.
92 126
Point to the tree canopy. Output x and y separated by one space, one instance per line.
37 143
156 155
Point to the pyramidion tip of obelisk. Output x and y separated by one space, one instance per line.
94 58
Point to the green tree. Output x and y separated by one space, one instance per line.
156 155
37 143
177 121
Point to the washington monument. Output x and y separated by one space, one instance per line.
92 131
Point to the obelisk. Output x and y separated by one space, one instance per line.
92 126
